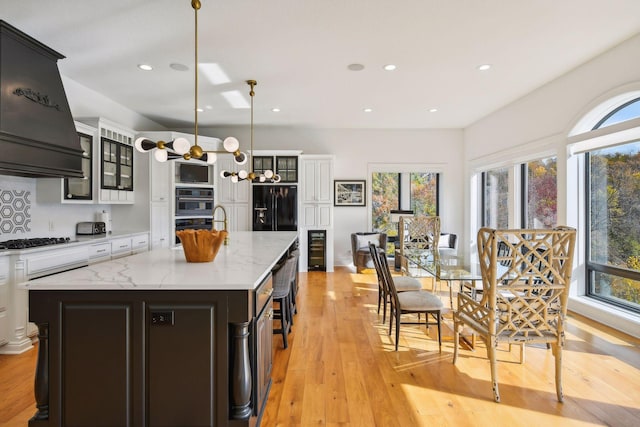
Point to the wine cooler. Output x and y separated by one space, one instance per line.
317 240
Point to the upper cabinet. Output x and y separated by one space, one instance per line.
285 165
74 190
316 184
115 162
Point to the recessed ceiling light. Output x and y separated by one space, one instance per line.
484 67
178 67
367 110
145 67
199 110
433 110
389 67
208 107
275 110
355 67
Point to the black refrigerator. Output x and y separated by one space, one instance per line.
275 207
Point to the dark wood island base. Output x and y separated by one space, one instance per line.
149 358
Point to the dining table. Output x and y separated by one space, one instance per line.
443 268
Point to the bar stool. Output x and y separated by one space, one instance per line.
281 293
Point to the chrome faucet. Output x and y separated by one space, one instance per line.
223 221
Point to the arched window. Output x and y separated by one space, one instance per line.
627 111
613 214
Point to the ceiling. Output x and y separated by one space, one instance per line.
299 50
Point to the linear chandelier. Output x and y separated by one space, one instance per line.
180 148
265 176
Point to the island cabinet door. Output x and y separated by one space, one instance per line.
263 356
183 385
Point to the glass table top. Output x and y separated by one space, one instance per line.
442 267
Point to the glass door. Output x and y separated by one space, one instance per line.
80 188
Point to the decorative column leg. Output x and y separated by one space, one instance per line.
240 371
41 386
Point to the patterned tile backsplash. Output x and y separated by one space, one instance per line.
15 207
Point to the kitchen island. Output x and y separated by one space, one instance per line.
153 340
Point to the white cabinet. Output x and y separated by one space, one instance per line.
120 247
316 204
160 225
99 252
229 192
140 243
317 174
234 197
4 299
316 207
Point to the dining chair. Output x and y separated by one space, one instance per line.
281 294
526 276
403 283
410 302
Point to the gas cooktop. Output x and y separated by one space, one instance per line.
33 242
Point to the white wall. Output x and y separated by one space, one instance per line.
541 121
355 151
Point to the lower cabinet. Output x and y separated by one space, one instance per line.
4 299
151 358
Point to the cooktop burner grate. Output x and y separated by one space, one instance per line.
32 243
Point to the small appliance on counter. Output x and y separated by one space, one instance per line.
90 228
104 217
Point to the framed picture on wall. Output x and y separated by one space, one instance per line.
349 193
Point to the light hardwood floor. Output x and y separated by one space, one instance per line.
341 370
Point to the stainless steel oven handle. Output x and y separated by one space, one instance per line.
203 199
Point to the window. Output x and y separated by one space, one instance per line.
417 191
540 193
495 198
612 212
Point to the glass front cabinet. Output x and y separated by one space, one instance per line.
117 165
81 188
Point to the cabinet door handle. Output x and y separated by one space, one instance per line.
269 315
268 292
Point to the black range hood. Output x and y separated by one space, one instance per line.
37 134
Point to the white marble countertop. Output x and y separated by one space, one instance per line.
241 265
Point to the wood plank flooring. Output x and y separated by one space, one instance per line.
341 370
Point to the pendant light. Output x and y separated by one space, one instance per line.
241 175
180 147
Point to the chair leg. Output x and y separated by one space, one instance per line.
384 308
491 353
397 328
439 332
557 352
456 338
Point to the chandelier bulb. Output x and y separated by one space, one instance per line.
181 146
262 178
231 144
242 174
268 174
234 178
276 178
161 155
211 158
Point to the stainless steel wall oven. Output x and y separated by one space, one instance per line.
194 201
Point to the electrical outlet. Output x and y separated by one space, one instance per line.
162 318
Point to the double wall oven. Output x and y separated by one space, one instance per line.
194 208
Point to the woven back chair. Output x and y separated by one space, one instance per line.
525 276
418 232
